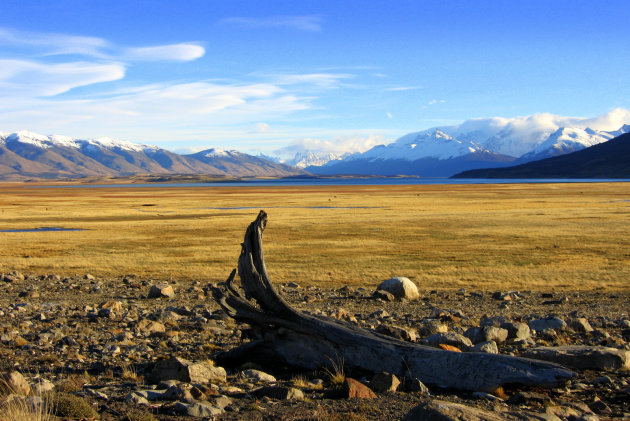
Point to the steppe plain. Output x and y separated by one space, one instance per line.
78 314
514 236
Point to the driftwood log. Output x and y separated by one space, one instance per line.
310 342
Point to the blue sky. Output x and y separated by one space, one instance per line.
260 75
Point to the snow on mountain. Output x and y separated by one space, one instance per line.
220 153
566 140
427 144
307 159
46 142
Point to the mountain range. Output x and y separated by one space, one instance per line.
26 155
437 152
609 159
444 151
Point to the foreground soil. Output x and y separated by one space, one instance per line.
93 337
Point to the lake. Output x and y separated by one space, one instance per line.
291 182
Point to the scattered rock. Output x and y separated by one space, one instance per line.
489 347
438 410
400 287
448 338
197 410
517 330
580 324
279 393
540 325
379 294
496 334
355 389
14 383
177 368
431 327
257 376
161 291
384 382
397 332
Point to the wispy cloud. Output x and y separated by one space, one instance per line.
402 88
177 52
337 144
52 44
323 80
308 23
30 78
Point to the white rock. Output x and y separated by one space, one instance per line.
400 287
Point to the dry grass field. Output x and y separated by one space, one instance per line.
490 237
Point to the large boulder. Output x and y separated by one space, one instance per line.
401 288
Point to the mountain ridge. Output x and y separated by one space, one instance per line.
610 159
27 155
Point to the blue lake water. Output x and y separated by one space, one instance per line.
42 229
346 182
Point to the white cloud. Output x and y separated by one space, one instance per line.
178 52
54 44
610 121
518 135
322 80
31 78
309 23
402 88
336 144
389 115
436 101
261 127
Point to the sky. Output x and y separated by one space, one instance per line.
279 76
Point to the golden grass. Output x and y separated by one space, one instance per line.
502 236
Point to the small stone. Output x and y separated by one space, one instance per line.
149 327
136 399
14 382
279 393
384 382
600 407
177 368
383 295
581 325
257 376
517 330
548 323
447 347
293 285
489 347
178 392
431 327
398 332
197 410
415 385
355 389
496 334
400 287
448 338
161 291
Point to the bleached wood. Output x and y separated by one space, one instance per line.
310 342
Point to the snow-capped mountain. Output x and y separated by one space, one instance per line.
479 143
427 144
31 155
307 159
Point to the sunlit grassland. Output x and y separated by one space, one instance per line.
510 236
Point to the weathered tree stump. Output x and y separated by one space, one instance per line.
306 341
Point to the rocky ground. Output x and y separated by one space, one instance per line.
132 350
